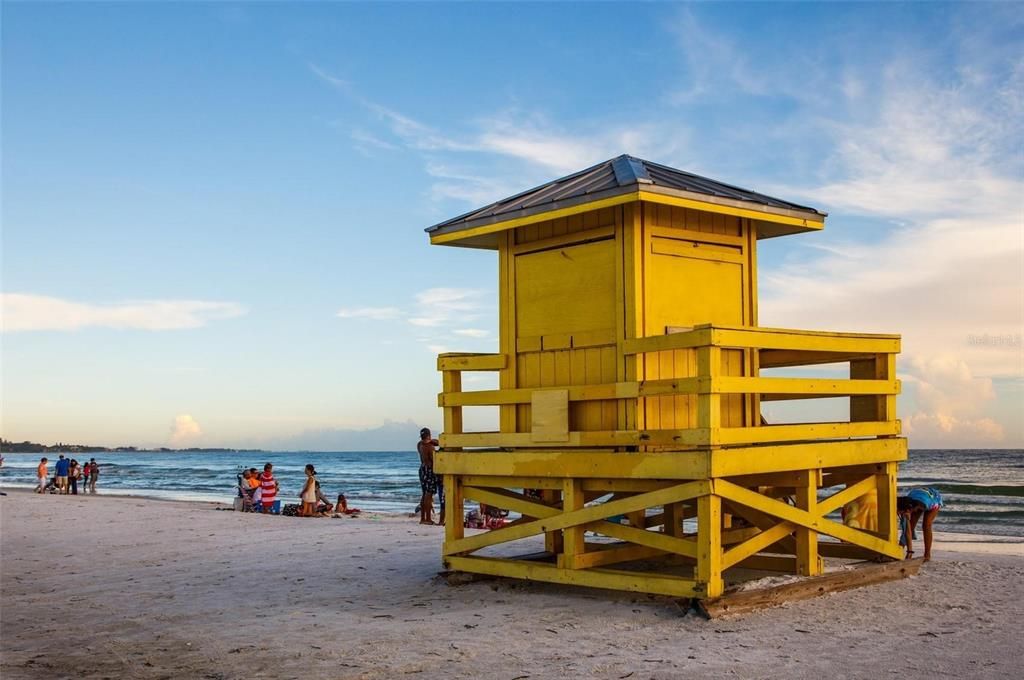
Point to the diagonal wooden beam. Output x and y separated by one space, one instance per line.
756 544
838 500
672 494
651 539
803 518
502 498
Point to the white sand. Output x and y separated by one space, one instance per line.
119 587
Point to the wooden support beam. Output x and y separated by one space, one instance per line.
582 516
806 494
805 519
709 545
471 362
633 581
572 536
746 601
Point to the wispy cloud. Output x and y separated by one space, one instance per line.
27 312
375 313
532 147
472 332
439 306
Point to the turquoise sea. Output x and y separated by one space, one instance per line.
983 488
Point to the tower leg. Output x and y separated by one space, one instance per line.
709 544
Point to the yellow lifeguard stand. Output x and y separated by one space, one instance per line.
630 394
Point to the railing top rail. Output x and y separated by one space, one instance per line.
754 337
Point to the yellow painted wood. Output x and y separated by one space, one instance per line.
762 338
808 386
709 405
805 432
452 384
631 581
549 415
885 486
709 545
617 555
560 240
805 456
806 496
572 536
651 539
607 465
805 519
494 482
566 290
705 206
844 496
693 235
508 500
582 516
471 362
756 544
608 438
453 522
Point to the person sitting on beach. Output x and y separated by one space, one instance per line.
918 503
323 506
341 507
428 480
42 475
268 487
308 494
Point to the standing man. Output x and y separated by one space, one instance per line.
428 480
94 472
42 474
63 466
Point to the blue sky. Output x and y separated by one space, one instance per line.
213 213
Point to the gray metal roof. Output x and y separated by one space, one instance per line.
619 175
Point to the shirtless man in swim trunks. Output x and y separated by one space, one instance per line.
428 480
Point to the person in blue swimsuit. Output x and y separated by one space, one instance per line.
918 503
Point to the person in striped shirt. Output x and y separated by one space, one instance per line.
268 488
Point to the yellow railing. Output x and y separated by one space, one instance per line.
872 388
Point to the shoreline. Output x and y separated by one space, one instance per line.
951 541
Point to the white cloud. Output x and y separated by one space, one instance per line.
536 147
950 404
439 306
472 332
27 312
184 429
375 313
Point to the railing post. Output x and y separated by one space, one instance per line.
709 402
451 382
881 408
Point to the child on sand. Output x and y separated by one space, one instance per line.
268 486
42 474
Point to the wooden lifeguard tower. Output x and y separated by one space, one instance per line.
630 374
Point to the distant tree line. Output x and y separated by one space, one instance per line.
7 446
60 447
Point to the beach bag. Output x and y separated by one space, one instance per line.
290 510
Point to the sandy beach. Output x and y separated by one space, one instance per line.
119 587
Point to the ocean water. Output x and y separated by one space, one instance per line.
983 489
